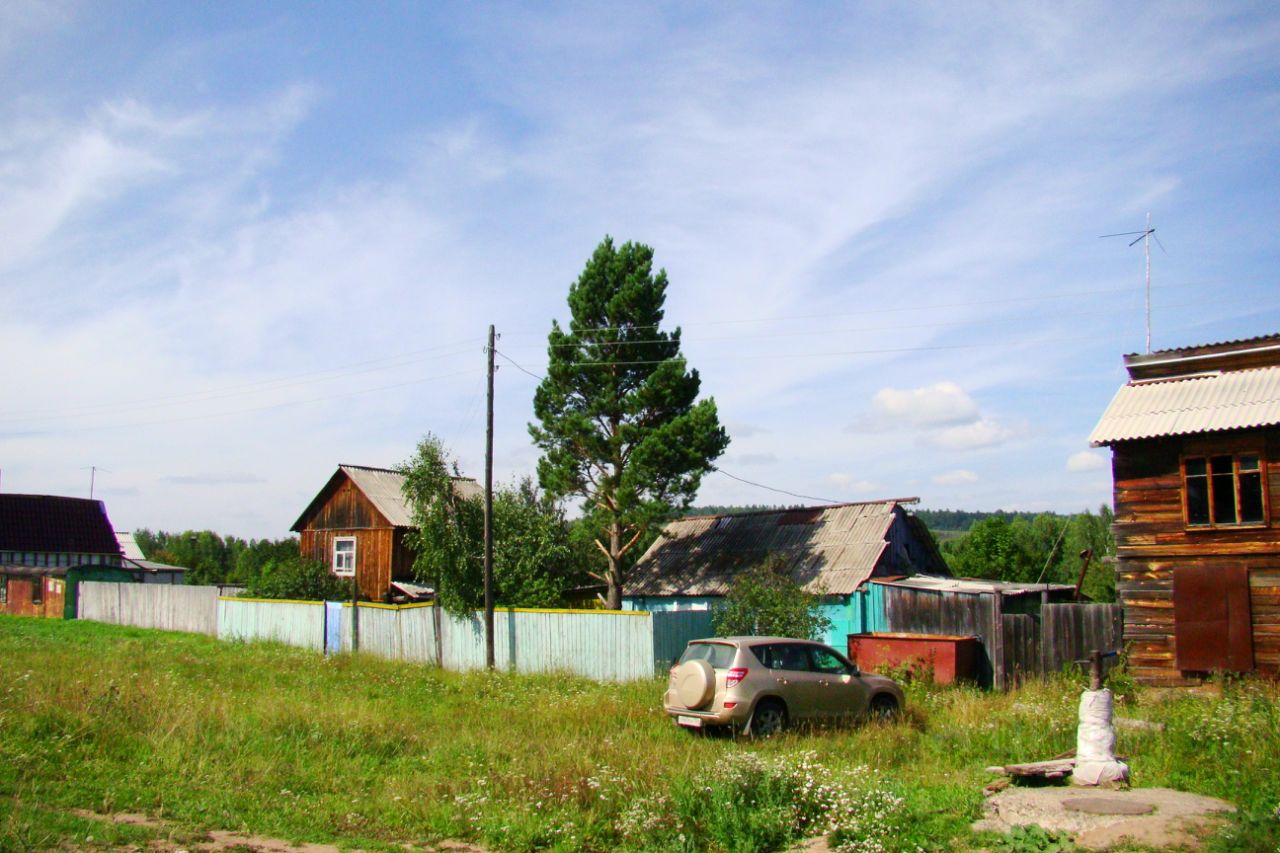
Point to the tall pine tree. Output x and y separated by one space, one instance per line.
620 423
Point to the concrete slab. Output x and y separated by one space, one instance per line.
1103 820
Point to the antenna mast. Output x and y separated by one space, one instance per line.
1145 236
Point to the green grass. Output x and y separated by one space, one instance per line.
374 754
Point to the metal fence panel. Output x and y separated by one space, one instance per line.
296 623
672 631
604 645
164 606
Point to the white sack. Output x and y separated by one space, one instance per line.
1096 737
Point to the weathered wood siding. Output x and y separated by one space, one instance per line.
1070 632
1152 541
170 607
381 553
916 611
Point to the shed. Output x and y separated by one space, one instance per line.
47 542
357 523
1195 441
833 550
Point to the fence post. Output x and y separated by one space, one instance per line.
435 626
997 641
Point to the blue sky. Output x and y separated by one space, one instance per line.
244 242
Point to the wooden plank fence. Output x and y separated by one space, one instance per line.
598 644
1016 646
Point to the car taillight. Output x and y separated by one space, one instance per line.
735 675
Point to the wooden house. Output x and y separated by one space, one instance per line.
49 542
833 550
1195 439
357 523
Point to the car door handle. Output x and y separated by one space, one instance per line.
782 681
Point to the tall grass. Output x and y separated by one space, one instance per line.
374 754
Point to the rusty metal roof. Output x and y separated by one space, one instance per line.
831 549
52 523
385 490
1210 402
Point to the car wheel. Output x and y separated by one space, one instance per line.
883 708
769 719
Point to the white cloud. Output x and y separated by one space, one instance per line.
958 477
979 434
852 485
1086 460
942 404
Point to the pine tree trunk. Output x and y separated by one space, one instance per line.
614 594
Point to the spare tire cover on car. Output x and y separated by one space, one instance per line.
695 683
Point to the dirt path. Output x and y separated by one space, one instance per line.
219 840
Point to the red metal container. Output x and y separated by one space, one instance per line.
951 658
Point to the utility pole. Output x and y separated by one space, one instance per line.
488 518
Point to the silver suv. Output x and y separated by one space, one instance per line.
758 685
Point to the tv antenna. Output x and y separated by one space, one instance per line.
93 475
1146 236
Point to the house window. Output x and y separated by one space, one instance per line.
37 590
4 589
344 556
1224 490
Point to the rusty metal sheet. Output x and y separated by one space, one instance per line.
1212 620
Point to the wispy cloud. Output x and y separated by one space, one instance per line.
958 477
1086 460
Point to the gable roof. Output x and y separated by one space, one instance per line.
385 490
832 549
56 524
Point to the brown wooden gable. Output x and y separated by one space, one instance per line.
341 505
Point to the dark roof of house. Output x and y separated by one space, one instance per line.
385 490
55 524
831 549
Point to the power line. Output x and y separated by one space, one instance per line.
517 366
260 386
212 415
771 488
897 309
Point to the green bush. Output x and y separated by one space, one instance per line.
765 601
297 579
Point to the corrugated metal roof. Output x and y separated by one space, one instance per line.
1235 399
385 490
54 523
833 549
129 546
976 585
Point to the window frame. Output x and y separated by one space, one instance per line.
1206 455
4 589
37 590
335 553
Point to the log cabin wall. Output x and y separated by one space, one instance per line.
381 554
1153 541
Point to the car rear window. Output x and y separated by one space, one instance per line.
719 655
